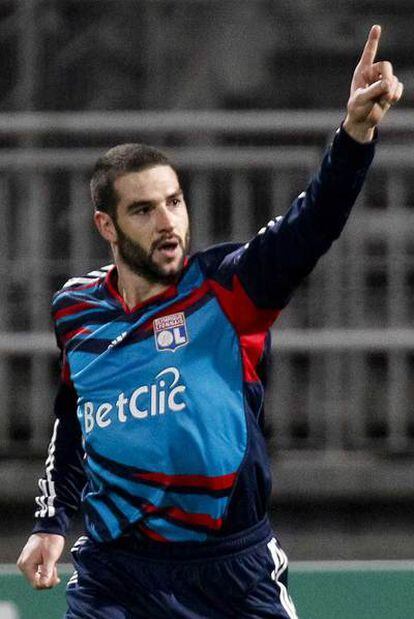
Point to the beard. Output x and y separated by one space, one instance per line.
141 262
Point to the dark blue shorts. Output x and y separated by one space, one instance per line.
243 577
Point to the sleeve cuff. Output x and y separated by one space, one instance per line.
57 525
352 153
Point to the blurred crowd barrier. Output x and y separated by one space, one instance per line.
189 54
340 385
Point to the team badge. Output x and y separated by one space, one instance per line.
170 332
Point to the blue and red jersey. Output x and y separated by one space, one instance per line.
159 413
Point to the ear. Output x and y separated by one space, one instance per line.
105 225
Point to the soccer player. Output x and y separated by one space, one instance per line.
159 409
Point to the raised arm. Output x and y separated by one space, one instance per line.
283 253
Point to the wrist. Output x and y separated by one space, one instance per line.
358 131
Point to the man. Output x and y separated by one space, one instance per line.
159 410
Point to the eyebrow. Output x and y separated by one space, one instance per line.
144 203
139 204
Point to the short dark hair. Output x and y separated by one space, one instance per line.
116 162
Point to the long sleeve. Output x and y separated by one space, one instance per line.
273 264
64 479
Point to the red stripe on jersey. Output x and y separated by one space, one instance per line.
73 309
252 347
223 482
151 534
149 508
65 371
175 513
203 520
251 323
68 336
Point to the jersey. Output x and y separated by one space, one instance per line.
160 407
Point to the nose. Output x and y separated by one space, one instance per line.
164 219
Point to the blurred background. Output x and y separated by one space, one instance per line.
244 95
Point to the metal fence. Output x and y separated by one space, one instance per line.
340 393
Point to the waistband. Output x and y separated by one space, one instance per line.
228 545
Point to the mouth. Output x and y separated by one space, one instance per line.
168 248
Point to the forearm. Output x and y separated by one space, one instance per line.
332 193
64 478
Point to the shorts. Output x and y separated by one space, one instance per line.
243 577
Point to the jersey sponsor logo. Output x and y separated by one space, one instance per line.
170 332
164 395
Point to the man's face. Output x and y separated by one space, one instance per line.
152 223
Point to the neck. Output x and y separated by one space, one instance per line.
135 289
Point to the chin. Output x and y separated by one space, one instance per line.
172 272
172 269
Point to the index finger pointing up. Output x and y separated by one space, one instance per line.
371 46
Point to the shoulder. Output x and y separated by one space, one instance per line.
75 283
227 255
212 259
80 288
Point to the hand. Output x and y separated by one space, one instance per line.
38 559
374 89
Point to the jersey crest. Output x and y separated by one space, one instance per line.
170 332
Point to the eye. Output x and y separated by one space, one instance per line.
142 210
176 201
